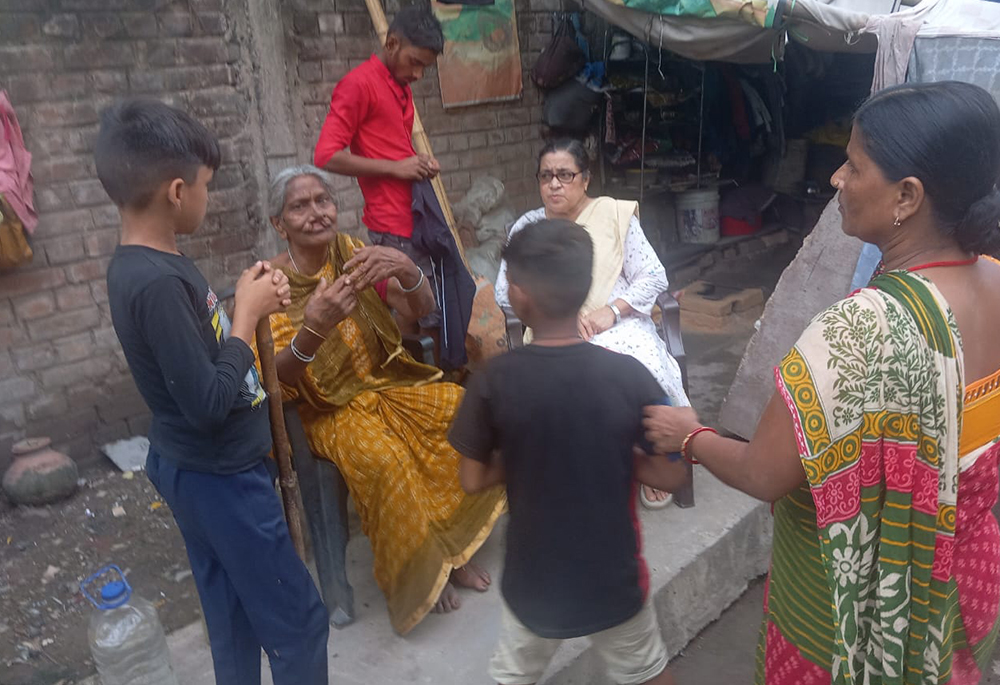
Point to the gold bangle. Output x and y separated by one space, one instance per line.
314 332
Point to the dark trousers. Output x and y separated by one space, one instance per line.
255 591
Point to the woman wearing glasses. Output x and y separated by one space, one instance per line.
628 276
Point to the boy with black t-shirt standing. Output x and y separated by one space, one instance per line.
558 422
210 435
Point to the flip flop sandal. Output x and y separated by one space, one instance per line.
653 504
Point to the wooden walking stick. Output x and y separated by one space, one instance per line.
421 142
282 450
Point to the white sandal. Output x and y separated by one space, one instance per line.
653 504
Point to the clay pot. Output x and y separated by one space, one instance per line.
39 474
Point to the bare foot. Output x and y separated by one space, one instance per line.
448 601
655 496
472 576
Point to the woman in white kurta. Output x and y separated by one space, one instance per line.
628 276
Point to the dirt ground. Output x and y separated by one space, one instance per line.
46 551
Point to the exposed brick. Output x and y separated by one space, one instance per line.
211 23
87 271
215 102
310 72
12 335
99 54
65 168
6 364
64 323
64 250
6 313
100 243
26 88
305 24
34 306
175 24
16 389
203 51
24 282
88 193
34 357
74 373
62 26
106 338
103 26
140 24
106 216
159 53
111 82
52 198
122 405
358 24
330 23
72 297
66 429
67 86
26 58
46 406
75 347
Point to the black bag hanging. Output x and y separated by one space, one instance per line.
562 58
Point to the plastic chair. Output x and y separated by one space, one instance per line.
670 332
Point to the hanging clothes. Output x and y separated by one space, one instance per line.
454 288
16 183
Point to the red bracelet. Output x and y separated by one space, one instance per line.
689 438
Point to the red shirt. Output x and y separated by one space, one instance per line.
373 114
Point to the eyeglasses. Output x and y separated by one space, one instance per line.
563 176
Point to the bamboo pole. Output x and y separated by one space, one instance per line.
421 143
282 450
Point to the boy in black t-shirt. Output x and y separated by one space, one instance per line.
558 422
210 434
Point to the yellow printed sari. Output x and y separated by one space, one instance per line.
377 413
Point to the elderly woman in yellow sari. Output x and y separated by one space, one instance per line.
369 407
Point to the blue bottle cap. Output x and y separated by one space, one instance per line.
112 591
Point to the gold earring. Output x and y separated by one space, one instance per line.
897 222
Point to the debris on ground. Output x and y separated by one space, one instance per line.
46 551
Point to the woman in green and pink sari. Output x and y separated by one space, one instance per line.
880 445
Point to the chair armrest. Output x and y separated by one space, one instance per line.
421 347
515 329
670 330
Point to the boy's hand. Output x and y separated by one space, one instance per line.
415 168
261 291
330 304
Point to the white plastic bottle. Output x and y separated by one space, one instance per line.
126 637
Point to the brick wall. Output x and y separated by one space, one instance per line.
62 373
326 39
61 61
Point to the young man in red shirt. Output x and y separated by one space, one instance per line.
368 133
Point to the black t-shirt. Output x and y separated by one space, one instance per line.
209 409
565 420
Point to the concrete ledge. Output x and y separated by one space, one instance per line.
700 561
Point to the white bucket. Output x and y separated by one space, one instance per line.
698 215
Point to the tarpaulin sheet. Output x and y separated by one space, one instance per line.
824 25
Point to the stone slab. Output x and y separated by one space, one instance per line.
818 276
